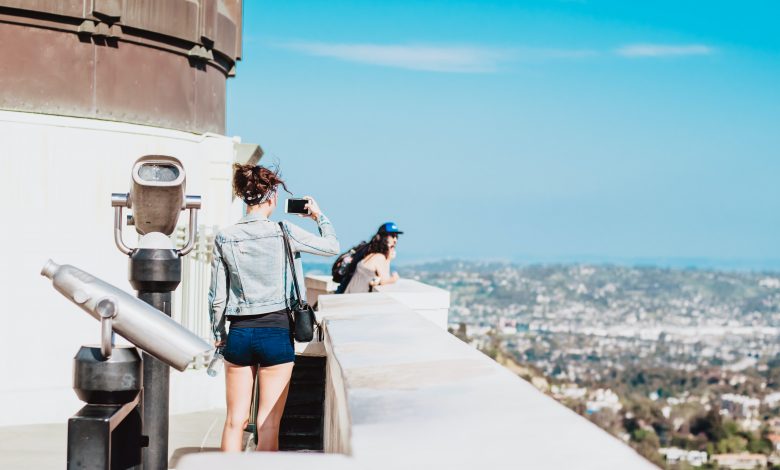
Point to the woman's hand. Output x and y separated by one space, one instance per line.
219 344
314 209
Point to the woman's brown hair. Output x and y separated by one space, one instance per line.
379 244
253 182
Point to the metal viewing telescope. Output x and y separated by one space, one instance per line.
127 394
118 311
157 197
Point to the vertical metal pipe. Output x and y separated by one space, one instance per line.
155 274
155 394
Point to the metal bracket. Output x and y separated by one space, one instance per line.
86 27
121 200
201 53
192 203
99 29
107 309
118 202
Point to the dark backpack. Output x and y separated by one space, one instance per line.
345 265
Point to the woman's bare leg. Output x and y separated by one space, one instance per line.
238 393
274 385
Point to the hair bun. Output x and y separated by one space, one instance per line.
252 182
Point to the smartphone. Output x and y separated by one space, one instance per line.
297 206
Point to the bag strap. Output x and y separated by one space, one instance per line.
292 263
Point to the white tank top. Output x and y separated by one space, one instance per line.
361 279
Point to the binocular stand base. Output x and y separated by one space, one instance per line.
106 437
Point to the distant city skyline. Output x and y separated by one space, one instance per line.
541 130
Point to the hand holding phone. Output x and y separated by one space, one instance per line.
304 207
297 206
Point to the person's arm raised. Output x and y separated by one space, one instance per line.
324 244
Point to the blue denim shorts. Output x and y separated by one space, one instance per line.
261 346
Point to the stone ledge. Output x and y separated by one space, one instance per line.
433 303
417 397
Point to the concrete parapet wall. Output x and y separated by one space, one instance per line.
337 437
317 285
432 303
415 396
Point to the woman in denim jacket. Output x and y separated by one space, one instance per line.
251 289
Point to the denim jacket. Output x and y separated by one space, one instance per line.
250 274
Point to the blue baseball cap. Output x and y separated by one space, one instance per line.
389 227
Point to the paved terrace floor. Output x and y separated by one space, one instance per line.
44 446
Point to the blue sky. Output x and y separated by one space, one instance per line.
535 130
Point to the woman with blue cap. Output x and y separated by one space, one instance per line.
374 268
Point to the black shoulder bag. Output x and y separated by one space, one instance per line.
301 313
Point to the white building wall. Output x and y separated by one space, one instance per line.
56 177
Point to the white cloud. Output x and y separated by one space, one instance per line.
474 59
464 59
539 53
664 50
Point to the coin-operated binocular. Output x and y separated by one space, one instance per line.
157 197
107 432
127 394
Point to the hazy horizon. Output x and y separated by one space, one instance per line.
726 265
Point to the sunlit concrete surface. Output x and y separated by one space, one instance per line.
317 285
41 446
194 433
432 303
44 446
402 393
271 461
